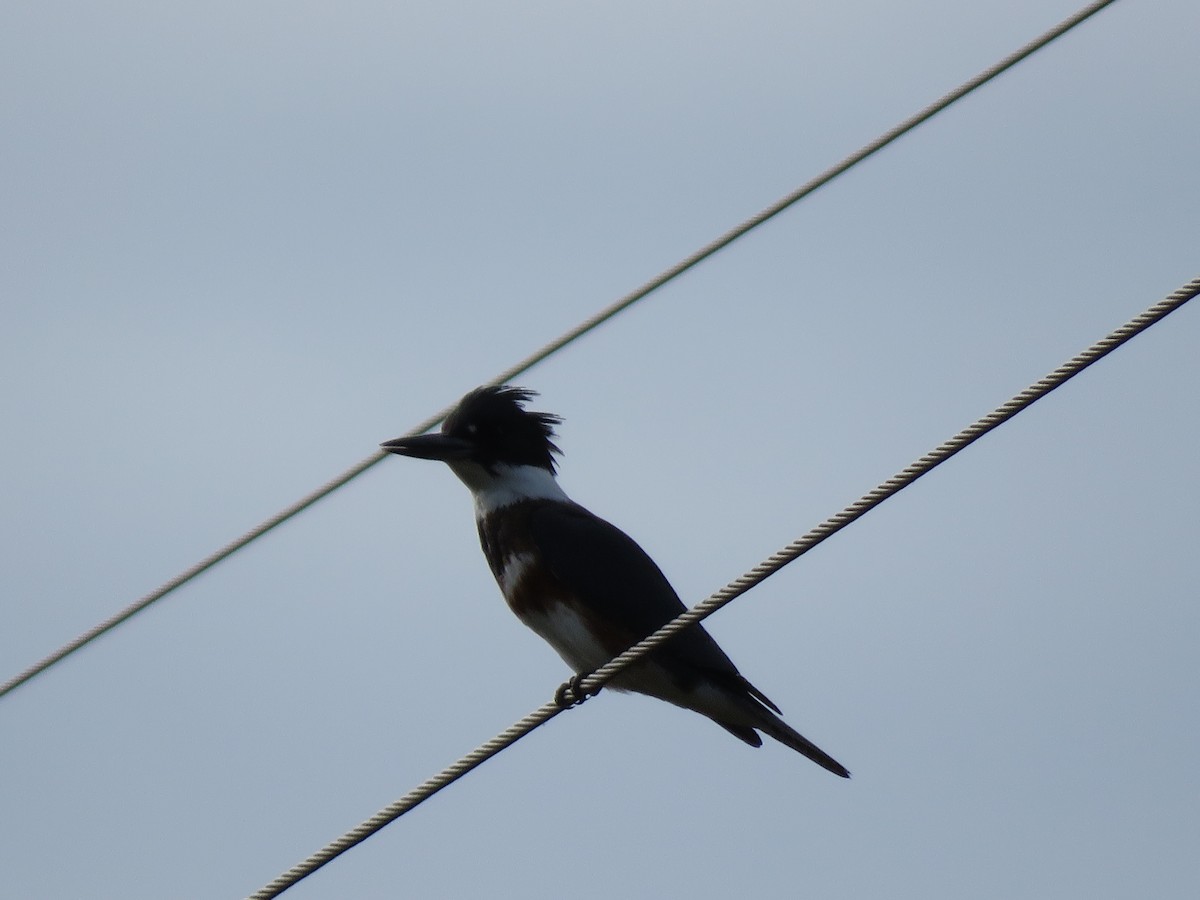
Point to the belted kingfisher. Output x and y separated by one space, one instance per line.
582 584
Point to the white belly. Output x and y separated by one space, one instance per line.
564 630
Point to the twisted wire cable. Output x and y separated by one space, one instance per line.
577 690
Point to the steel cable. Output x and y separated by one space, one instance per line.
579 689
554 346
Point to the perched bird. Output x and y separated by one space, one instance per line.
582 584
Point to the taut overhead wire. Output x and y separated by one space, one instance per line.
554 346
581 688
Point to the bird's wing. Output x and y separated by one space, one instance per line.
617 579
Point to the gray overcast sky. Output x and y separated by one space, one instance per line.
245 242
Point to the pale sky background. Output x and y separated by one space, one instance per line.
245 242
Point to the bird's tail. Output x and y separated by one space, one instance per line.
765 717
775 727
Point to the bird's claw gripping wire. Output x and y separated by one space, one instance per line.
571 693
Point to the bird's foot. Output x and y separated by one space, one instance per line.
571 693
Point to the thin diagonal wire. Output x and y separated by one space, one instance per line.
758 574
575 333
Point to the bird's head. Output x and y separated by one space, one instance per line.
489 434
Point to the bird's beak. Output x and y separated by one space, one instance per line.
430 446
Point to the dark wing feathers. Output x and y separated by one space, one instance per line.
612 573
